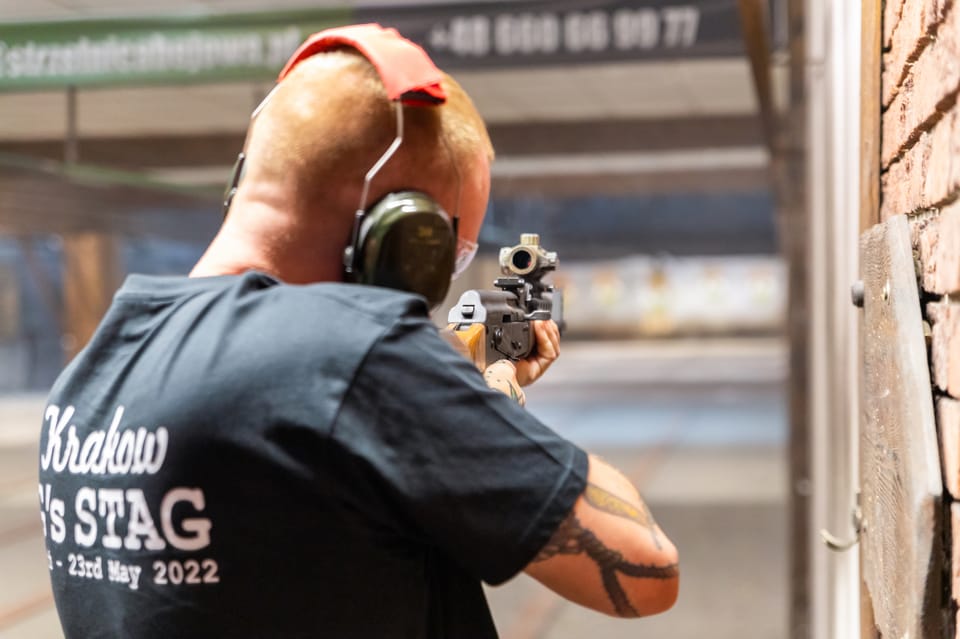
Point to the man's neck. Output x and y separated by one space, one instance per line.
230 255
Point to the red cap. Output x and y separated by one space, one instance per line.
406 70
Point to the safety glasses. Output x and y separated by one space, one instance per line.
466 251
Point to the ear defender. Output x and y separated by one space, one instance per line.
405 242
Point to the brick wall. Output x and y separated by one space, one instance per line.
920 160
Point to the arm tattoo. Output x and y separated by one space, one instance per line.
516 395
610 503
505 386
571 538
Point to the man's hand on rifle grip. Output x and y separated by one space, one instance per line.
545 352
507 377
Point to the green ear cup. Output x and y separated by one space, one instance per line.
406 242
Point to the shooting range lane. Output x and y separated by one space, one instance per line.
699 426
684 392
26 604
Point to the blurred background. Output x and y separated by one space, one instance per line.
634 137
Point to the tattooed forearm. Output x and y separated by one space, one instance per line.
565 540
497 381
610 503
571 538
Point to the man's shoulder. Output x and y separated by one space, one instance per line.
257 294
256 313
381 305
238 330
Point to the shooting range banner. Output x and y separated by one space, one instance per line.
154 50
458 35
515 34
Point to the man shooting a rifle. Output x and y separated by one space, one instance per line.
274 447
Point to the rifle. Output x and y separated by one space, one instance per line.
494 324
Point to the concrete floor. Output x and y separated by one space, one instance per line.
699 426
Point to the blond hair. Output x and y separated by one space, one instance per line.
329 120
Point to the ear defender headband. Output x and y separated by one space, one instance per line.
405 240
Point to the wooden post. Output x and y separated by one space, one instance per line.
792 199
90 276
900 479
754 21
90 263
71 143
870 78
790 179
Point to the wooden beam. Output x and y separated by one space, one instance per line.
33 202
600 136
537 138
790 161
148 151
870 99
755 21
712 181
871 60
900 477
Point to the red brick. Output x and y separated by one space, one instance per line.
925 234
913 31
946 258
918 224
902 185
936 239
891 18
926 175
948 425
931 80
945 347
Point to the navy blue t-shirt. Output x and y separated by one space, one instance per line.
237 457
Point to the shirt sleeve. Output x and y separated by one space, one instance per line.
466 469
